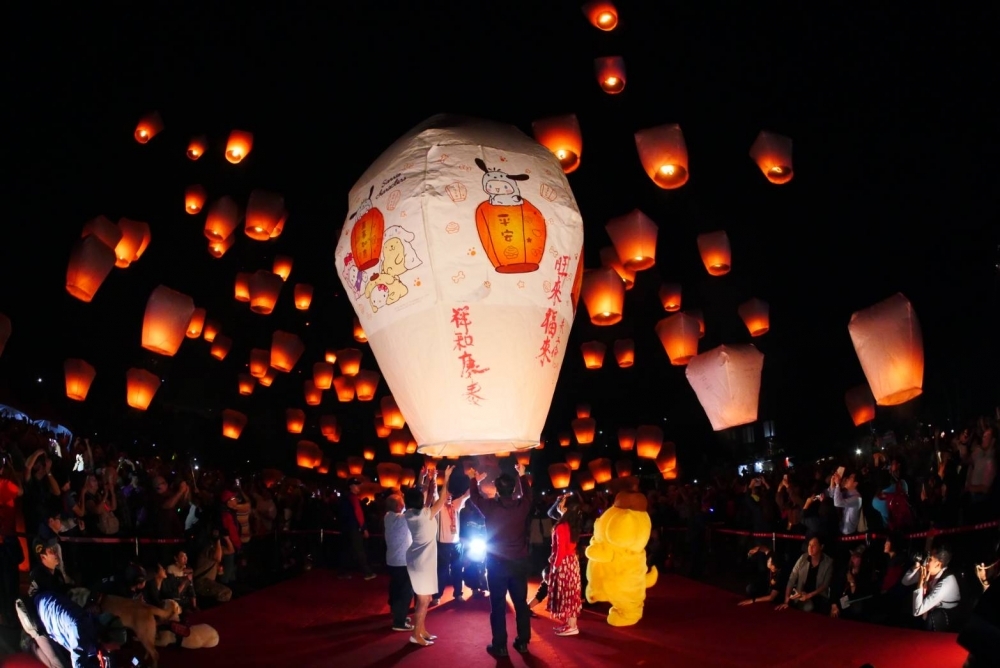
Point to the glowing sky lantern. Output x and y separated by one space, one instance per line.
663 153
561 135
727 382
467 306
239 145
196 147
610 74
148 127
773 155
890 347
601 14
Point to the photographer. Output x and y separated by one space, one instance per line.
937 592
808 586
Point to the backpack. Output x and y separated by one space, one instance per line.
900 512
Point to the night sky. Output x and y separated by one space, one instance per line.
895 147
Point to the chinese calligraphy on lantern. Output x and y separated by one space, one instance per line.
464 345
552 325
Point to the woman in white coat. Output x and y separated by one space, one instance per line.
421 557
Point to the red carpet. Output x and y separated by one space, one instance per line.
318 620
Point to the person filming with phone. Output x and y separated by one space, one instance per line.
808 586
937 593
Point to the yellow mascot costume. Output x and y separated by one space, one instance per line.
616 566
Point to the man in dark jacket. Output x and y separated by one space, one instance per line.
507 555
352 523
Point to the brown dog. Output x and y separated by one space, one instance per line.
140 618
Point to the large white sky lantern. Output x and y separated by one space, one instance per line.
727 382
890 348
460 252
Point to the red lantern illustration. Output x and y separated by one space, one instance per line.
510 228
366 237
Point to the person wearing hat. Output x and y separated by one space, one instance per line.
353 526
46 575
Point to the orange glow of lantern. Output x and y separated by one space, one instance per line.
715 252
523 457
667 459
890 346
604 295
398 440
265 288
623 467
90 262
583 410
727 382
323 375
349 360
279 228
356 465
610 74
756 315
359 332
380 429
233 423
328 425
663 154
391 415
342 471
344 387
221 347
584 429
679 335
239 145
860 404
773 155
573 460
141 387
148 127
283 266
196 324
670 297
330 356
246 383
79 376
295 420
242 287
648 441
264 211
267 378
565 438
698 315
561 135
587 482
313 395
408 478
634 238
210 331
593 354
368 454
601 14
222 218
625 353
601 470
103 229
308 455
560 474
303 294
286 349
626 438
219 248
194 199
334 436
164 325
196 147
260 359
366 384
324 468
609 258
135 239
389 474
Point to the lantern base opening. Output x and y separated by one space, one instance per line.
779 174
613 85
670 176
681 361
760 331
478 447
520 268
568 160
718 269
606 319
639 263
901 397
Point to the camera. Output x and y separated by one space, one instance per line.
919 558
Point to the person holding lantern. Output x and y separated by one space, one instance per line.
421 556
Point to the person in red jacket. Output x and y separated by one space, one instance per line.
565 600
507 562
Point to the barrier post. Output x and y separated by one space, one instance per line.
321 536
137 546
774 541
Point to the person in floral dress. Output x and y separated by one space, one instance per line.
565 600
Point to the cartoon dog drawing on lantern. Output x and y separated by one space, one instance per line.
367 234
354 278
398 257
511 229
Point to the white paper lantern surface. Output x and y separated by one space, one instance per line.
890 347
460 254
727 382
